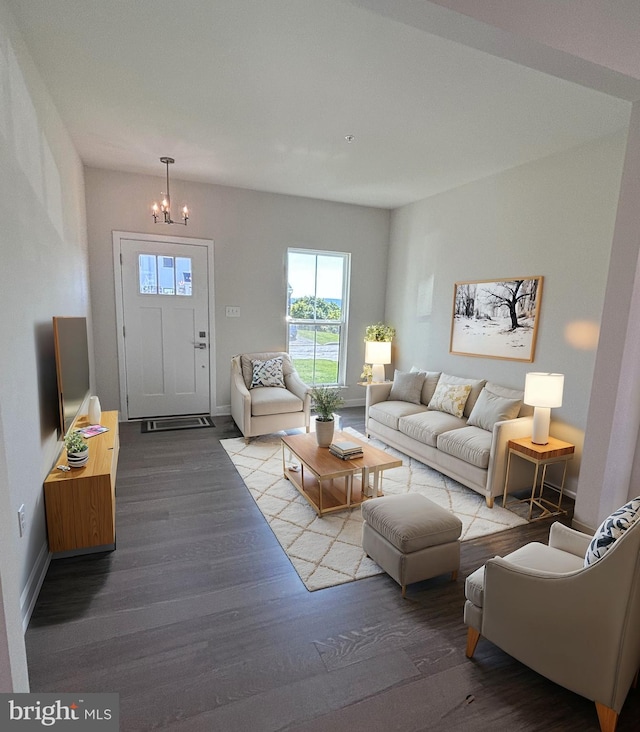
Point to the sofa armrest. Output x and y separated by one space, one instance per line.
296 386
240 398
510 429
303 391
569 540
378 392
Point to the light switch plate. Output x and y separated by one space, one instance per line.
232 311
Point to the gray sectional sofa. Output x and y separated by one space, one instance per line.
458 426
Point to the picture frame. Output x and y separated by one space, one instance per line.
496 318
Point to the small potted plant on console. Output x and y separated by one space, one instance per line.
77 449
325 400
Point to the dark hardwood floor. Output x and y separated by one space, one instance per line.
199 621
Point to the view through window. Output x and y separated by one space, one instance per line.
317 301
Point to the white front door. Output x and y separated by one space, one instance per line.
166 327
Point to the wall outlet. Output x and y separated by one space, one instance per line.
22 523
232 311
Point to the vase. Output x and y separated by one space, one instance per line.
95 412
78 459
324 432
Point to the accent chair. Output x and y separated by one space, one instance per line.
267 395
569 610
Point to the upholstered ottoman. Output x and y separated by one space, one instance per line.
411 537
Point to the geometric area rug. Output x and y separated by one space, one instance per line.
327 551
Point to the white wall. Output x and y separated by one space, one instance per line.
44 273
554 217
251 232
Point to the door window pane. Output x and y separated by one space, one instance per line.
183 276
147 274
160 275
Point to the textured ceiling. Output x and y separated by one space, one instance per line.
261 95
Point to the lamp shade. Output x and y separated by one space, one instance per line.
543 390
377 352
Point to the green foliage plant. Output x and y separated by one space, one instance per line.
367 372
315 308
75 442
326 400
379 332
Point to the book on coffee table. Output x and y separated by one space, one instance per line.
345 449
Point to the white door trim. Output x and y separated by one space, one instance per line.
118 237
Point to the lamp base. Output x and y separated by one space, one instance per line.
541 422
378 374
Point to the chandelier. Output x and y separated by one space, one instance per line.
162 213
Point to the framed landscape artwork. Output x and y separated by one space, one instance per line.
496 318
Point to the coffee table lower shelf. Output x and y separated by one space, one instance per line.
327 495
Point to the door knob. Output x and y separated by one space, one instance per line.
201 346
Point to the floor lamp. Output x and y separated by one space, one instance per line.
542 391
377 353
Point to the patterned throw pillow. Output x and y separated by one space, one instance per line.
267 373
612 528
450 398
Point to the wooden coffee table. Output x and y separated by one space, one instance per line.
328 483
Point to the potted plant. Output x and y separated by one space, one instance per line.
379 332
367 373
77 449
377 351
325 400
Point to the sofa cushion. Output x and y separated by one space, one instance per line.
265 400
476 387
491 408
429 385
267 373
471 444
407 386
388 413
450 398
426 426
611 529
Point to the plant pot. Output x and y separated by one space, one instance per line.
77 459
324 432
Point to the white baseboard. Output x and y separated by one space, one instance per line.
34 583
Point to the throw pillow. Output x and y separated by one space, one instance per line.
407 386
491 408
450 398
611 529
267 373
477 385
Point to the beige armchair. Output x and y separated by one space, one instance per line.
266 409
578 626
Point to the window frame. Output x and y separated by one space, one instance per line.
343 323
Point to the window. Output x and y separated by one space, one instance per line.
159 275
317 304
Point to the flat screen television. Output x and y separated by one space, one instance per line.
72 367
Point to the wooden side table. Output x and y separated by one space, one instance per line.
555 451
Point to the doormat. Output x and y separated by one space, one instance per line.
167 424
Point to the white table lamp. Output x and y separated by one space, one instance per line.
377 353
542 391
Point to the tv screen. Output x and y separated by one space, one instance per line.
72 367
